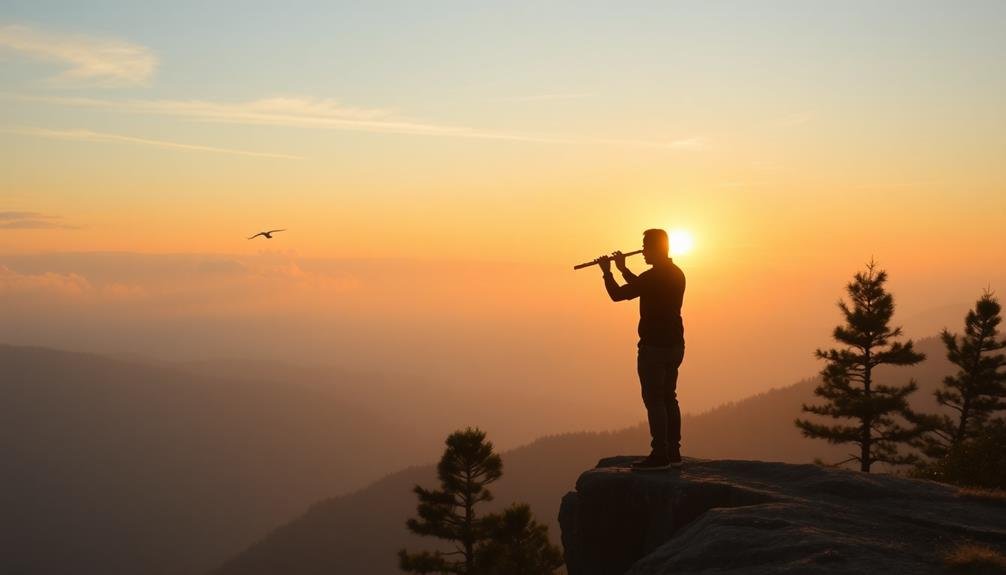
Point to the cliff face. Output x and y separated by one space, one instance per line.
754 517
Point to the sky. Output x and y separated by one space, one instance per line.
440 167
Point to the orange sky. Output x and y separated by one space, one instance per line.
793 144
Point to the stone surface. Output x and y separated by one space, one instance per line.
755 517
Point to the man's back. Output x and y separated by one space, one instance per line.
661 292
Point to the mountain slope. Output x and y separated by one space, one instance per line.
119 467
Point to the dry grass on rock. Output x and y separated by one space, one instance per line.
975 558
997 496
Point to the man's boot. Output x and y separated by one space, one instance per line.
654 462
675 458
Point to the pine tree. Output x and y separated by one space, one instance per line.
979 461
978 389
848 378
467 466
517 545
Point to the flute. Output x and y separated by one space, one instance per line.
594 262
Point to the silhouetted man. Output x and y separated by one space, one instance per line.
660 290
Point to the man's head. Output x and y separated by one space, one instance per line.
656 246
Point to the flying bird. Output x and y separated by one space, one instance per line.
268 234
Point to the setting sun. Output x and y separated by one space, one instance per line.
681 242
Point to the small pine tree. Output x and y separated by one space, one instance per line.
978 389
467 466
979 461
517 545
848 383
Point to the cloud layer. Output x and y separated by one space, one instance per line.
96 60
42 285
11 220
91 136
327 114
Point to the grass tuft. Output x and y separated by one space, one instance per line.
974 558
986 495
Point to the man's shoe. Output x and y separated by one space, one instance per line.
675 459
652 463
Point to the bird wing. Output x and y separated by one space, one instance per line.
274 231
256 235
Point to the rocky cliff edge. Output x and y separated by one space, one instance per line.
754 517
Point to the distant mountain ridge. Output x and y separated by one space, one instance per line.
117 466
360 532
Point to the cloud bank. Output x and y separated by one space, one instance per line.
106 61
12 220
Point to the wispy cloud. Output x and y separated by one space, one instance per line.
97 60
297 112
682 145
895 186
89 136
11 220
794 119
544 97
694 144
13 283
329 114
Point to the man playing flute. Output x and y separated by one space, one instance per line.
660 290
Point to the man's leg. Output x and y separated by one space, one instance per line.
652 370
676 355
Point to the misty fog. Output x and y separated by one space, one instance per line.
533 349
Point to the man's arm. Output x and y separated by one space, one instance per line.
619 259
618 292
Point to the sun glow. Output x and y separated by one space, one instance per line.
681 242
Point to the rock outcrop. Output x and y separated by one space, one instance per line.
755 517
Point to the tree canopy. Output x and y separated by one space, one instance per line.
876 418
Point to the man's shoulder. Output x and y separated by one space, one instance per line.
648 273
665 269
668 267
670 272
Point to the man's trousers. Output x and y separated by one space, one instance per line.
658 377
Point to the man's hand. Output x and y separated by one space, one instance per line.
619 258
605 263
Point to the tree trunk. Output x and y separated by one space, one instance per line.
469 523
962 428
866 435
966 393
